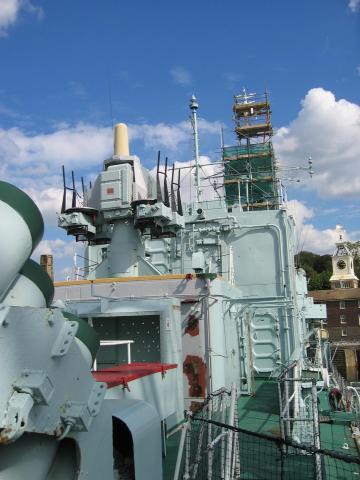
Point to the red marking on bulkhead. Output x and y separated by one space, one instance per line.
192 325
195 370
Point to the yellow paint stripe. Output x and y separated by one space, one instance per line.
121 280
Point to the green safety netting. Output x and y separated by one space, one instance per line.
254 163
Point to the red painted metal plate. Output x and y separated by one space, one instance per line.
123 374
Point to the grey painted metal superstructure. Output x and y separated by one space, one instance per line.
208 292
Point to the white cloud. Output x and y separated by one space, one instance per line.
354 5
69 146
10 10
329 131
310 238
187 179
181 76
63 253
170 136
56 247
299 211
49 202
160 135
83 145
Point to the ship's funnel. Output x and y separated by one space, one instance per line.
121 140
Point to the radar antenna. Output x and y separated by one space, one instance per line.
166 192
158 186
70 189
172 194
179 203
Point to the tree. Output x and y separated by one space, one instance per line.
354 249
318 269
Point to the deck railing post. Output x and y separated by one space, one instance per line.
316 430
223 418
229 453
282 428
287 410
185 427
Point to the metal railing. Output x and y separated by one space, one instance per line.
215 449
116 343
211 448
266 457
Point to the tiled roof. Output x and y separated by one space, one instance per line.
335 294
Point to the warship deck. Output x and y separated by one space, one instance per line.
261 459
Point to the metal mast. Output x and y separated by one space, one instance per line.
193 107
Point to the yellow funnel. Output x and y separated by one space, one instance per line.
121 140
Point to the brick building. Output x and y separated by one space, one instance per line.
343 313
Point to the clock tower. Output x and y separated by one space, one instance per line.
343 275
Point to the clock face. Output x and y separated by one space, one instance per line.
341 264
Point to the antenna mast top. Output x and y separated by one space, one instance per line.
193 107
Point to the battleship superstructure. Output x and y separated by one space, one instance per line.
186 299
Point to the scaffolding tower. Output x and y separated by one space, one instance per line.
250 178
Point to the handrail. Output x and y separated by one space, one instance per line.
353 389
115 343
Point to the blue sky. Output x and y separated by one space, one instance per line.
60 61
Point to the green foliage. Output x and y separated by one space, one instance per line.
357 267
354 248
318 269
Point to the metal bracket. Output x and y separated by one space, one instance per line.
125 386
64 339
96 397
37 384
16 418
79 414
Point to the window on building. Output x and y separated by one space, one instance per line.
343 319
359 303
342 304
359 318
343 332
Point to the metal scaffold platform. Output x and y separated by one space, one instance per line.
249 168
